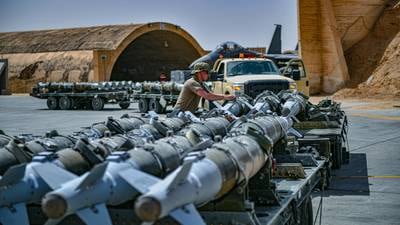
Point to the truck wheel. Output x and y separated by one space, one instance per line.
143 105
124 104
52 103
65 103
326 178
154 105
97 104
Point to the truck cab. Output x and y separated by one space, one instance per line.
292 66
250 76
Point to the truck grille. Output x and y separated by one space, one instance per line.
255 87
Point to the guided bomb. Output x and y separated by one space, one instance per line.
294 103
266 103
16 152
4 139
161 87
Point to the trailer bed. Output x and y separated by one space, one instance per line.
292 192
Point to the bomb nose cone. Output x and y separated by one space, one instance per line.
54 206
290 108
285 111
148 209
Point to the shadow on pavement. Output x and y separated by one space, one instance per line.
351 179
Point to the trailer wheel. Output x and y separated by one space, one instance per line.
87 105
154 105
52 103
345 156
337 155
340 151
73 103
124 104
65 103
81 104
143 105
327 178
306 217
97 104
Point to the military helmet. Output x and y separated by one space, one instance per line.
200 66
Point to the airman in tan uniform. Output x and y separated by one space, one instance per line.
193 90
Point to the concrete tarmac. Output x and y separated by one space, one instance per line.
367 191
25 114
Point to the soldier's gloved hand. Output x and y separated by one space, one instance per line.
229 97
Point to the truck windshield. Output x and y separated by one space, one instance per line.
236 68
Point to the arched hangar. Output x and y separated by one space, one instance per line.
117 52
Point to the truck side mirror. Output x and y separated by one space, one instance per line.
220 77
213 76
287 72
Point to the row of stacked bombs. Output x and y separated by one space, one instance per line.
77 87
170 163
21 149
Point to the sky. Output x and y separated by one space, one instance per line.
249 23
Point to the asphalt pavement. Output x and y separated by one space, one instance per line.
25 114
367 190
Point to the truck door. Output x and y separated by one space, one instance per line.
303 83
296 70
218 86
4 77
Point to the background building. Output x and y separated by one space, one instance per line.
345 43
118 52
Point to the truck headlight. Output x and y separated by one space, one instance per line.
238 88
292 85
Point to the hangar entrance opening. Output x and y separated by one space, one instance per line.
4 77
151 54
